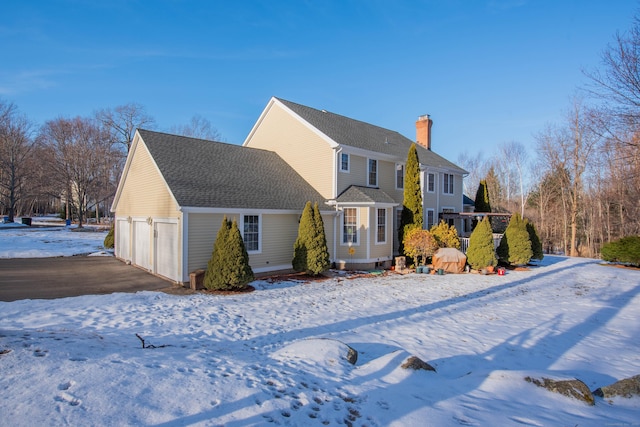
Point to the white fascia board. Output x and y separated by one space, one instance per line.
366 204
240 211
371 154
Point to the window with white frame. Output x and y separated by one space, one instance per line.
447 184
399 176
251 232
431 182
431 218
344 162
373 173
350 226
381 226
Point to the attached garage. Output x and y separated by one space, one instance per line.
175 190
167 249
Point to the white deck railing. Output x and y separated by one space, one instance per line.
464 242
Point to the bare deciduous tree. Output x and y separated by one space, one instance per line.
198 127
16 148
617 83
123 120
78 150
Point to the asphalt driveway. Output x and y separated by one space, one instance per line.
48 278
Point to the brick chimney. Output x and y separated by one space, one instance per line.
423 131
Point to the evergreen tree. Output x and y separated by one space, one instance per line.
446 235
212 277
412 215
318 259
238 273
536 244
482 203
300 247
228 268
481 252
310 252
109 240
515 246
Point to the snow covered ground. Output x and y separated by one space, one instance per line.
257 358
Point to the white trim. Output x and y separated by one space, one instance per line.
367 204
369 160
340 154
434 181
242 211
444 179
241 227
358 237
386 227
272 268
185 247
426 217
273 101
395 173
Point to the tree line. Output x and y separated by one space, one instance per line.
582 186
72 165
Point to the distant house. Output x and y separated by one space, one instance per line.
175 190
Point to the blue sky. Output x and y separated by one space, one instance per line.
487 71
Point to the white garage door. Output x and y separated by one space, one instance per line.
141 244
167 256
122 239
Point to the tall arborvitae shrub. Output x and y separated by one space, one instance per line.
445 235
239 273
536 244
305 231
412 213
228 268
515 246
212 277
481 252
110 239
482 203
310 252
318 259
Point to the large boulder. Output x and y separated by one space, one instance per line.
627 387
571 388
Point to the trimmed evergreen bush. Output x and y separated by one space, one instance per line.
228 268
305 230
310 252
515 246
625 250
482 203
536 244
412 201
481 252
110 239
445 235
419 244
318 259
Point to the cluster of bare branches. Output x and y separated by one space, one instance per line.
582 188
74 164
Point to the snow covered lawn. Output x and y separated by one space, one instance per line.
255 358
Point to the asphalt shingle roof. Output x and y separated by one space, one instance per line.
354 133
358 194
203 173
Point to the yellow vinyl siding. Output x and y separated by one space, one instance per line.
304 150
380 250
387 178
356 176
363 238
145 193
203 229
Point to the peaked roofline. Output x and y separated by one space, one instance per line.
276 101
